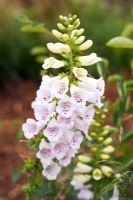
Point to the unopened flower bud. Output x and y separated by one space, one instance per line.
107 171
70 27
82 168
100 139
84 158
57 34
93 134
61 17
61 27
65 37
97 174
105 132
80 31
80 40
108 149
74 17
103 116
104 156
94 149
79 178
107 141
86 45
89 138
80 73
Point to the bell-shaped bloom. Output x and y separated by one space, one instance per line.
60 87
66 160
80 73
52 63
79 95
45 153
81 178
97 174
48 81
51 171
89 60
85 194
81 125
43 112
86 113
66 106
107 171
65 122
116 194
60 149
53 131
86 45
31 128
93 85
44 94
59 48
78 186
74 139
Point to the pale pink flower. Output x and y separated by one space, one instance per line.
78 186
81 125
60 87
48 81
65 122
79 95
45 153
73 138
31 128
60 149
86 113
44 94
85 194
53 131
65 106
66 160
51 171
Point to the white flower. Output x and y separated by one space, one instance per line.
65 122
43 112
79 95
116 194
89 60
93 85
85 194
84 158
53 131
31 128
59 48
60 87
65 106
45 153
80 40
60 149
51 171
52 63
86 45
82 168
80 73
48 81
108 149
78 186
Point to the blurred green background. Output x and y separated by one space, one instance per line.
101 19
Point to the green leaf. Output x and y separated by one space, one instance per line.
102 68
16 175
24 19
127 163
115 77
128 30
19 135
120 42
38 50
127 136
34 27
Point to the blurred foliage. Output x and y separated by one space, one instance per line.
102 19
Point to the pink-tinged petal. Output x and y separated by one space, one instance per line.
60 150
44 94
30 128
60 87
51 171
65 107
66 160
65 122
82 125
53 131
85 194
78 186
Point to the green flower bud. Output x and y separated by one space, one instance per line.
84 158
82 168
79 178
97 174
65 37
103 116
105 132
100 139
80 31
57 34
93 134
61 17
80 40
107 171
94 149
108 149
61 27
70 27
89 138
105 156
107 141
74 17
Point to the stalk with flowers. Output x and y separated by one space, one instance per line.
69 113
